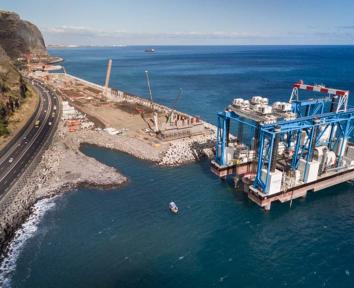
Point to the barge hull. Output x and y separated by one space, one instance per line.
265 201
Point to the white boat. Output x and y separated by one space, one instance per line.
150 50
173 207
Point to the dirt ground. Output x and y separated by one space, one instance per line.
122 116
136 120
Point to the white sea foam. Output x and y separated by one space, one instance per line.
26 231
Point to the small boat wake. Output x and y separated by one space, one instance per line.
25 232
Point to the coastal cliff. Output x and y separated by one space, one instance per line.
19 37
13 90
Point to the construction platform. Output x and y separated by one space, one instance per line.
300 191
280 152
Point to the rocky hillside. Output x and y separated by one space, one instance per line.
19 37
13 90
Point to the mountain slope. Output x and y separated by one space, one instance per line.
19 37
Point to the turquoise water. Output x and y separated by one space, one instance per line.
127 238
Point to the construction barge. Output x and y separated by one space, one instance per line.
280 152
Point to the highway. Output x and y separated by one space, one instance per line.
28 143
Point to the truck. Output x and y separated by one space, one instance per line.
37 123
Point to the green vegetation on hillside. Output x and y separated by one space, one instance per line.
17 39
13 91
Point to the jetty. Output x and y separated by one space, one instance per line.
89 113
122 113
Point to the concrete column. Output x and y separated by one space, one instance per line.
108 75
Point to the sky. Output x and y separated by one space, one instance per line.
189 22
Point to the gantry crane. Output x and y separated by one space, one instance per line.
289 144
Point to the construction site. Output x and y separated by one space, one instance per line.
273 152
86 104
280 152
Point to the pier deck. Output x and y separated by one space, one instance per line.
299 191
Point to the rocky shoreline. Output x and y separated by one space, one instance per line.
60 169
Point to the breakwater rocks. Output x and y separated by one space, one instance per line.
133 146
187 150
61 168
173 153
27 230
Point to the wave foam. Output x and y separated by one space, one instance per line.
25 232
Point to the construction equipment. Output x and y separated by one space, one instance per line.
155 115
173 106
296 146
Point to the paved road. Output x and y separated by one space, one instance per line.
22 151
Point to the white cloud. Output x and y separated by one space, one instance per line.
81 35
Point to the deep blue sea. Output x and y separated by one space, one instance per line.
126 237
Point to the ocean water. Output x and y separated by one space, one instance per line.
126 237
211 76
